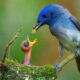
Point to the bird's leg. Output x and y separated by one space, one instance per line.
76 52
77 59
60 56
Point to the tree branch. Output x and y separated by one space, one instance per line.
66 60
10 43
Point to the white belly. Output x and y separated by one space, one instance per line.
68 37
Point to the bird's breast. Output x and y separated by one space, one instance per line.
70 38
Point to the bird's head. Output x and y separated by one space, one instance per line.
27 45
49 14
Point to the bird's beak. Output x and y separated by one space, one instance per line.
36 27
32 42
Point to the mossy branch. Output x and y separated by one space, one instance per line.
20 71
10 43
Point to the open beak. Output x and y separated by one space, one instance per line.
36 27
33 42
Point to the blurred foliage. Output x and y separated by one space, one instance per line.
21 13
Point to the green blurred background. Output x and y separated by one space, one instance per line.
23 13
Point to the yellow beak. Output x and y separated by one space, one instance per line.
33 42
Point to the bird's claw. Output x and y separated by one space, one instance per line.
57 68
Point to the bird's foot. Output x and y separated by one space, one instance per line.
57 68
76 52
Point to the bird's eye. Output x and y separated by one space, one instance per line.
44 16
26 44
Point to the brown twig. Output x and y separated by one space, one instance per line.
66 60
10 43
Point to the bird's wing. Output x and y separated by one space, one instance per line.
75 22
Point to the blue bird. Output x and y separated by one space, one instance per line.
64 27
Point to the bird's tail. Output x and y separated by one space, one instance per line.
78 62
